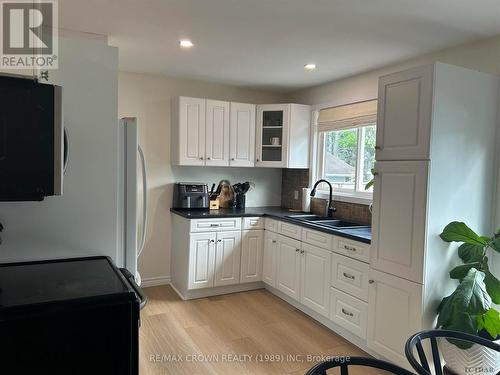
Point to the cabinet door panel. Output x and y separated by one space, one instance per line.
288 266
395 313
269 258
201 260
315 278
228 255
404 115
191 131
242 135
399 214
273 121
251 256
217 133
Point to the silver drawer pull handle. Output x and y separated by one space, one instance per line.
345 312
349 276
215 225
350 248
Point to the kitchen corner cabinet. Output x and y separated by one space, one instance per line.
283 135
269 257
252 247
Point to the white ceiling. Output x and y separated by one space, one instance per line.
265 43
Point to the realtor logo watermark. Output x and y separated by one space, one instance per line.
29 37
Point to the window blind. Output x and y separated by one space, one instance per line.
347 116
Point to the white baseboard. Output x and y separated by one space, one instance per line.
155 281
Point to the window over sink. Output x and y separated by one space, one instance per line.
346 148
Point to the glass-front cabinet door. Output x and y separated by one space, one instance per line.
272 135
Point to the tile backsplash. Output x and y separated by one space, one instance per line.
296 179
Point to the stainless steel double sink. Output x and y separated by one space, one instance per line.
326 222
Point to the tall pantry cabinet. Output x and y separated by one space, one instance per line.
435 152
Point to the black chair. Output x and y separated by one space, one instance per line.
422 365
346 362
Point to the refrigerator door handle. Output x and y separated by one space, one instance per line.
137 289
144 200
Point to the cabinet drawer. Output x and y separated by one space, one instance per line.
348 312
350 276
210 225
290 230
253 223
271 225
316 238
353 249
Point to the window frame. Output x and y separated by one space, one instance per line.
317 162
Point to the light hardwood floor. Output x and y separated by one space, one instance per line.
232 334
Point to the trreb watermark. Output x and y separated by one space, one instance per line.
29 34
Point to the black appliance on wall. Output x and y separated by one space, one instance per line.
31 139
71 316
190 195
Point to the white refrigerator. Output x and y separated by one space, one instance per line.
133 195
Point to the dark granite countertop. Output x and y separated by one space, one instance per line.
360 234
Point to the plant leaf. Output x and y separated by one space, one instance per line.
470 253
369 184
495 244
459 272
462 322
490 321
492 286
470 297
459 232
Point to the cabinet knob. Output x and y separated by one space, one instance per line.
371 281
258 160
297 250
208 158
232 159
212 241
201 158
274 241
302 251
219 240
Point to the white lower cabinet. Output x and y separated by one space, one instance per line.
288 266
348 312
252 246
201 260
315 278
227 258
394 314
269 258
214 259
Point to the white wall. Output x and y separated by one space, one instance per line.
84 220
148 97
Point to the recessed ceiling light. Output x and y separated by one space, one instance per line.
185 43
310 66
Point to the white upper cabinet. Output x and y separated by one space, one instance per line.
242 135
217 133
188 131
399 218
404 114
283 135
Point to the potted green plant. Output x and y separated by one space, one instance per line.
470 308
